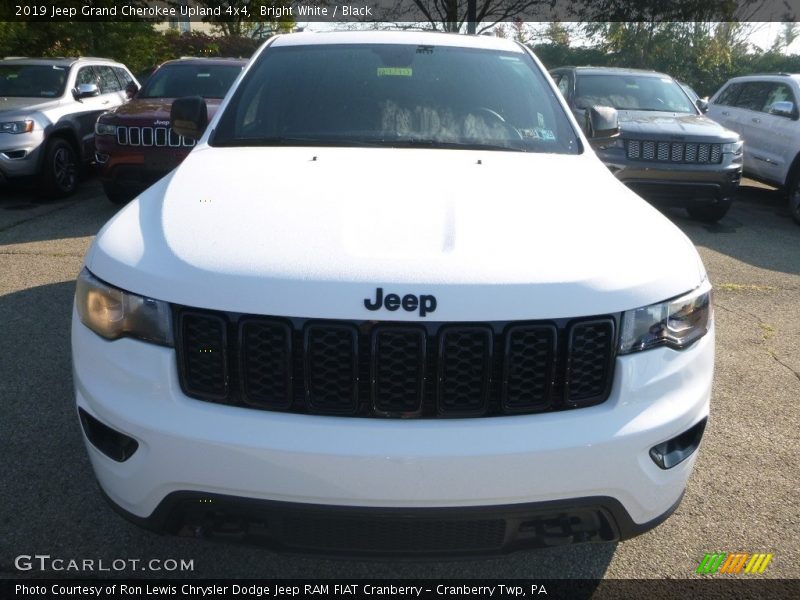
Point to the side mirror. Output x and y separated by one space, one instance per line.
130 90
602 122
86 90
189 116
784 108
702 104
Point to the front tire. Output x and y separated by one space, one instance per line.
60 170
794 198
710 213
117 194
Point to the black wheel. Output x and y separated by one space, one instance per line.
117 194
710 213
794 198
60 170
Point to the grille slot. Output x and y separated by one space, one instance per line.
397 370
266 363
202 355
385 369
529 368
675 152
465 355
589 363
331 368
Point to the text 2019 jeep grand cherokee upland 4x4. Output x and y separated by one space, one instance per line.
391 303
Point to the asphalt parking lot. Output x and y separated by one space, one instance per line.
742 497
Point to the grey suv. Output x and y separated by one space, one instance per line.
48 108
654 138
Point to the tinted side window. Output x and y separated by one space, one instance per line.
563 85
123 76
86 75
753 95
729 95
108 81
779 92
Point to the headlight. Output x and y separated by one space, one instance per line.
113 313
614 143
734 148
675 323
25 126
104 129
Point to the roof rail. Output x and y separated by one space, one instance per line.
764 74
210 57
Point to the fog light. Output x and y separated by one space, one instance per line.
110 442
673 452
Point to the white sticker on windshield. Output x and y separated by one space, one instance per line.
541 119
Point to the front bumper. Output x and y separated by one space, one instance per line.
195 450
134 168
20 154
677 184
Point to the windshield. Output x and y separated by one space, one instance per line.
32 81
396 96
632 92
176 80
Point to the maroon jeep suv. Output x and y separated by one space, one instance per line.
135 145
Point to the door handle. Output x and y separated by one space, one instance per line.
726 113
106 101
756 120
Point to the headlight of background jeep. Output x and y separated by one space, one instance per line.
734 148
104 129
25 126
113 313
675 323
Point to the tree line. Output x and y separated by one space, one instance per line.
703 54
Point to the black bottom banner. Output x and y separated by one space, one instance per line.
245 589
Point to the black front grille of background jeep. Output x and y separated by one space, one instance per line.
394 369
675 152
163 137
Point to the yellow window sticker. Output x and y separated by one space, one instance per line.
394 72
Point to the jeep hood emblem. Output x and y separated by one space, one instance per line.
425 303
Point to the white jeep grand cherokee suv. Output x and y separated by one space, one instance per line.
764 110
392 303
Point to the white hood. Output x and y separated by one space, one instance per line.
312 232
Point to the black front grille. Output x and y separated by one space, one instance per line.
674 152
394 369
151 136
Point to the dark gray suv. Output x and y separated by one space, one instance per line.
654 138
